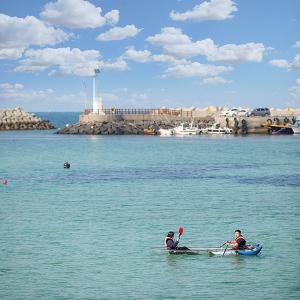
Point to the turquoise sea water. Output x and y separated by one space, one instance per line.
96 231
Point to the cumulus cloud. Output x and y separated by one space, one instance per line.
77 14
118 33
137 55
144 56
206 11
195 69
297 44
217 80
11 53
16 34
16 92
283 63
280 63
119 64
296 62
112 17
295 90
175 42
66 61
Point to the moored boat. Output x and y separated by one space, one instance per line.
217 129
281 129
166 132
187 129
296 125
149 131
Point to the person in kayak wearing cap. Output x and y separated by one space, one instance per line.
172 245
169 241
239 243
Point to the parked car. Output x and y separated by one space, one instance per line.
233 112
261 112
243 112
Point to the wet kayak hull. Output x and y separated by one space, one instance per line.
255 249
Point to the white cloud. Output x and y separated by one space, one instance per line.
283 63
195 69
112 17
164 58
296 62
295 90
144 56
207 10
40 100
175 42
118 33
16 92
169 36
77 14
11 53
16 34
137 55
118 64
280 63
10 86
66 61
231 53
297 44
214 81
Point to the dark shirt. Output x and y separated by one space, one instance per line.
171 244
241 243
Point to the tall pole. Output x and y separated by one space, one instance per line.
95 107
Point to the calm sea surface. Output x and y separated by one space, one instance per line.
96 231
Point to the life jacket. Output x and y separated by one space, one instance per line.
168 238
240 240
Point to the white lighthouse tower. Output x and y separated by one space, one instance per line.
97 101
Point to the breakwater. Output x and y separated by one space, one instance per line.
18 119
126 127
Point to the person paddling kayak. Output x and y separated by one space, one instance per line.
239 243
172 245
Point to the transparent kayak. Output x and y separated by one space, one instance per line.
250 251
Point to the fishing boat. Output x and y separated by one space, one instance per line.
187 129
166 132
281 129
217 129
296 125
149 131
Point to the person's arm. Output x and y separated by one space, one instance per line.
232 243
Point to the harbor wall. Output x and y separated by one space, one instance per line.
240 125
141 118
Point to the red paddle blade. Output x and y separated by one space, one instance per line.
180 230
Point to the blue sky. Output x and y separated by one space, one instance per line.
174 53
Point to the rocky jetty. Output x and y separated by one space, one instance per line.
122 127
18 119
